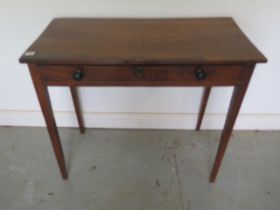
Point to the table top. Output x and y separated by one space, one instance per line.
142 41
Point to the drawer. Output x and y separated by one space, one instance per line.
178 75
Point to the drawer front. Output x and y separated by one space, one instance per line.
189 75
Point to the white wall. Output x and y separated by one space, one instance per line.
22 21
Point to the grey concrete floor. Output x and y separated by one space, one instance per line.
138 170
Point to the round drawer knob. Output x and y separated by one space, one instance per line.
139 71
78 74
200 74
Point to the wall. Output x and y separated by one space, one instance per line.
22 21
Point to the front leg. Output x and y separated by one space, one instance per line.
45 103
235 104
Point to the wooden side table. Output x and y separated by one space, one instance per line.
141 52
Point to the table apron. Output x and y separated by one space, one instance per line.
185 75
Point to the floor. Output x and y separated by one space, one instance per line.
138 170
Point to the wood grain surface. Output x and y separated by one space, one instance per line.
142 41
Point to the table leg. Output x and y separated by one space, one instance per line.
204 101
45 103
235 104
77 107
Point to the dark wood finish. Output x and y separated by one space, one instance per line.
143 41
45 103
219 75
235 104
75 97
204 101
142 52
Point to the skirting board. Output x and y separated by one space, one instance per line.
141 120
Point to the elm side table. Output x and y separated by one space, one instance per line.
202 52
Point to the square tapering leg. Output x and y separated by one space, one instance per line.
203 105
45 103
77 106
235 104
